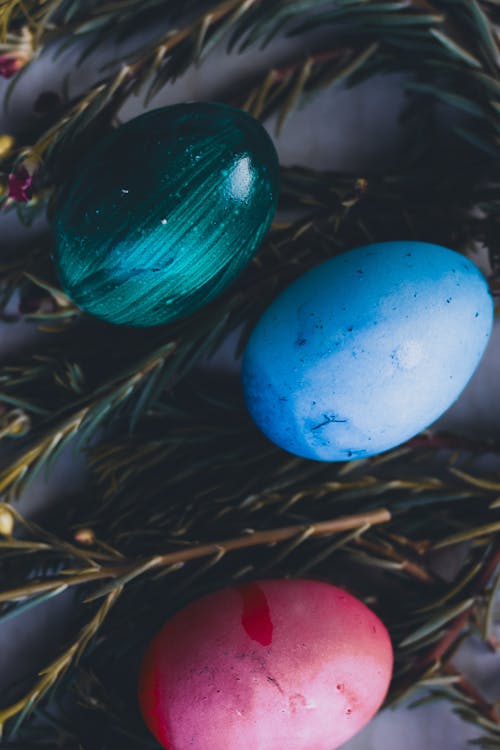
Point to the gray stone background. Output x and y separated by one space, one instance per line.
352 130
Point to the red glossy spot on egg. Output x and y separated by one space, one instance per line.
256 618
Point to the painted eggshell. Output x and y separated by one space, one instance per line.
295 664
367 349
165 213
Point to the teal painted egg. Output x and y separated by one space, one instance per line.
165 212
367 349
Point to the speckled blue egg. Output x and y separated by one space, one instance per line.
367 349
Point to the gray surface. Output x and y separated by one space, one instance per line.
341 130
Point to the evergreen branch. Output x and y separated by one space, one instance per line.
218 451
9 516
468 534
386 551
32 459
70 21
85 418
456 617
331 198
164 60
207 476
489 711
282 87
149 375
462 609
124 571
171 53
425 624
57 669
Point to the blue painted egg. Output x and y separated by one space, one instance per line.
367 349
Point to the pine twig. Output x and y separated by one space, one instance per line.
92 413
56 670
125 570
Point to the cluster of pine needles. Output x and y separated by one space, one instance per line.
182 494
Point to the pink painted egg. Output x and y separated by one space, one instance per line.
271 665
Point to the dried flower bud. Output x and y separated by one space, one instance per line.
361 186
6 144
14 423
18 51
84 536
10 64
6 522
20 185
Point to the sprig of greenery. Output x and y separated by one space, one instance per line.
427 625
369 41
84 419
58 668
67 408
121 572
78 387
193 468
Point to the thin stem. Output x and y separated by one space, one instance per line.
491 712
271 536
59 666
